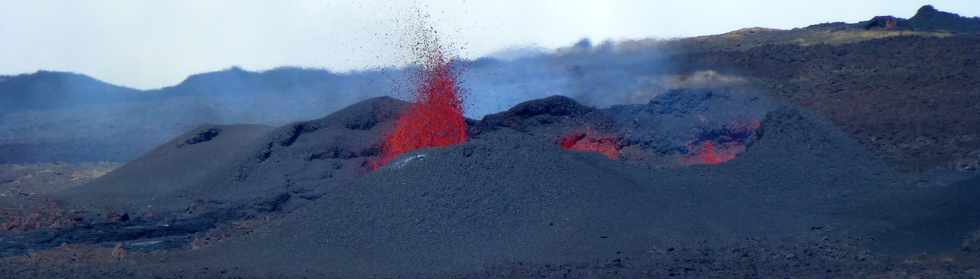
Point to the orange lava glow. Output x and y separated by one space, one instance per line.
714 152
708 154
591 142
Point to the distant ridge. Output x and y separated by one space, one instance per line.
51 89
234 80
926 19
43 90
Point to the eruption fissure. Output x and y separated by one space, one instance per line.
590 141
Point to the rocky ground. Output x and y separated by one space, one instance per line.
302 200
25 188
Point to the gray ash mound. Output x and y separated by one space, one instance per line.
799 197
213 176
185 161
239 164
514 196
222 166
674 123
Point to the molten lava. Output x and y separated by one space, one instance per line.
434 119
589 141
716 147
708 154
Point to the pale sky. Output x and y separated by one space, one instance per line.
151 44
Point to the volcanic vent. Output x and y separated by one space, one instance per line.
435 117
591 141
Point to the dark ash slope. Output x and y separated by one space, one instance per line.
511 201
512 196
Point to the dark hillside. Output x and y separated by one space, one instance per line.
186 160
928 18
45 90
910 99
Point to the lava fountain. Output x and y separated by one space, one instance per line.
435 117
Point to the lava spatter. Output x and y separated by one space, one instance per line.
435 117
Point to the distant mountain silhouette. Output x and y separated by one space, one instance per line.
926 19
53 90
49 90
236 81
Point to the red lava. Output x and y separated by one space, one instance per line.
589 141
708 154
712 153
434 119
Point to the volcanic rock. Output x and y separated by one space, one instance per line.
509 196
184 162
512 200
528 115
226 166
929 18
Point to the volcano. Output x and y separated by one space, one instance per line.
818 152
435 118
513 199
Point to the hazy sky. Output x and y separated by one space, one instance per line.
149 44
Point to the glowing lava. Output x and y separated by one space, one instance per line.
434 119
589 141
708 154
723 146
